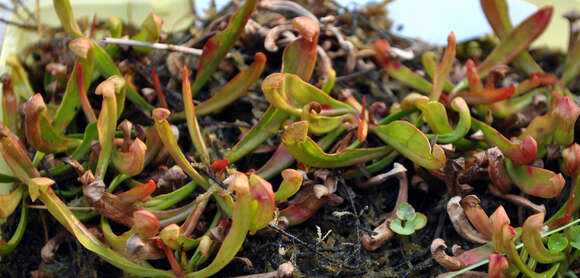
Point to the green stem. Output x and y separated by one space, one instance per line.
389 119
164 201
170 143
233 241
519 246
117 181
86 238
267 126
374 167
198 258
7 247
192 124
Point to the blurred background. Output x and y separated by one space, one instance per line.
432 20
428 20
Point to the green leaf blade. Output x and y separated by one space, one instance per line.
235 88
496 13
305 150
441 74
216 48
535 181
412 143
517 40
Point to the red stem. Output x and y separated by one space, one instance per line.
93 27
444 99
129 79
361 120
488 96
175 266
567 217
86 105
158 89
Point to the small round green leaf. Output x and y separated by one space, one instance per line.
575 234
405 229
557 242
420 221
575 237
406 212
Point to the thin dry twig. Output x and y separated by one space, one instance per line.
25 8
71 208
286 7
355 214
520 201
17 24
309 247
356 74
157 46
6 8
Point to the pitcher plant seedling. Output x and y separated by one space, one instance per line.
192 146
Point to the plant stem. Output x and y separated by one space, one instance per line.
519 246
157 46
